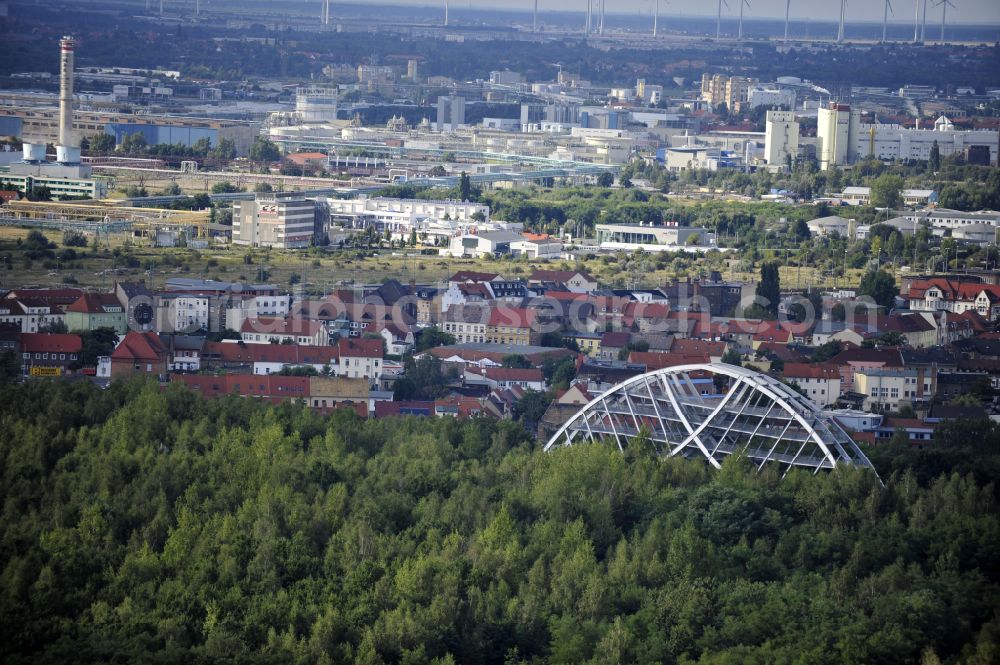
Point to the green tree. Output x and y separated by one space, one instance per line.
769 289
934 160
879 286
605 179
432 337
887 191
264 150
464 187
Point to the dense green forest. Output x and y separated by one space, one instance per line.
142 525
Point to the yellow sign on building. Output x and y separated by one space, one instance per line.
46 371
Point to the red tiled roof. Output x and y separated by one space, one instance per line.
269 325
512 317
94 303
360 348
654 360
50 342
272 387
951 290
531 374
698 347
288 354
47 296
807 371
615 340
145 346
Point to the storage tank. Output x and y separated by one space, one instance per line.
67 154
314 105
34 152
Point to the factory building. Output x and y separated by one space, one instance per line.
892 142
450 113
781 138
66 177
842 139
836 126
42 125
276 220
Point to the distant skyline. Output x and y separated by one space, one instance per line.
963 11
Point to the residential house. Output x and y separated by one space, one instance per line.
887 389
575 281
940 293
360 358
48 354
612 343
515 326
268 330
505 377
820 383
140 353
97 310
467 323
851 361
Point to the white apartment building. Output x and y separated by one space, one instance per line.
246 307
182 313
887 389
781 137
403 216
281 221
945 218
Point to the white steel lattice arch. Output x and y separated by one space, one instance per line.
683 413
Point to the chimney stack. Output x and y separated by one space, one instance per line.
66 46
68 148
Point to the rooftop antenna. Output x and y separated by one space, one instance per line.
747 3
788 7
944 15
885 18
840 28
718 19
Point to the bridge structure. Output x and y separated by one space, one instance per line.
711 411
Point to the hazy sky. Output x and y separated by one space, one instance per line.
963 11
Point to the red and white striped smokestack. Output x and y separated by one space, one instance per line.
66 138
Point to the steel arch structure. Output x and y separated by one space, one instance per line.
713 410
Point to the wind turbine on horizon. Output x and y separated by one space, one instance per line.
747 3
885 18
788 7
718 19
840 28
944 14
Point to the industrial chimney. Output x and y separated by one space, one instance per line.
68 149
